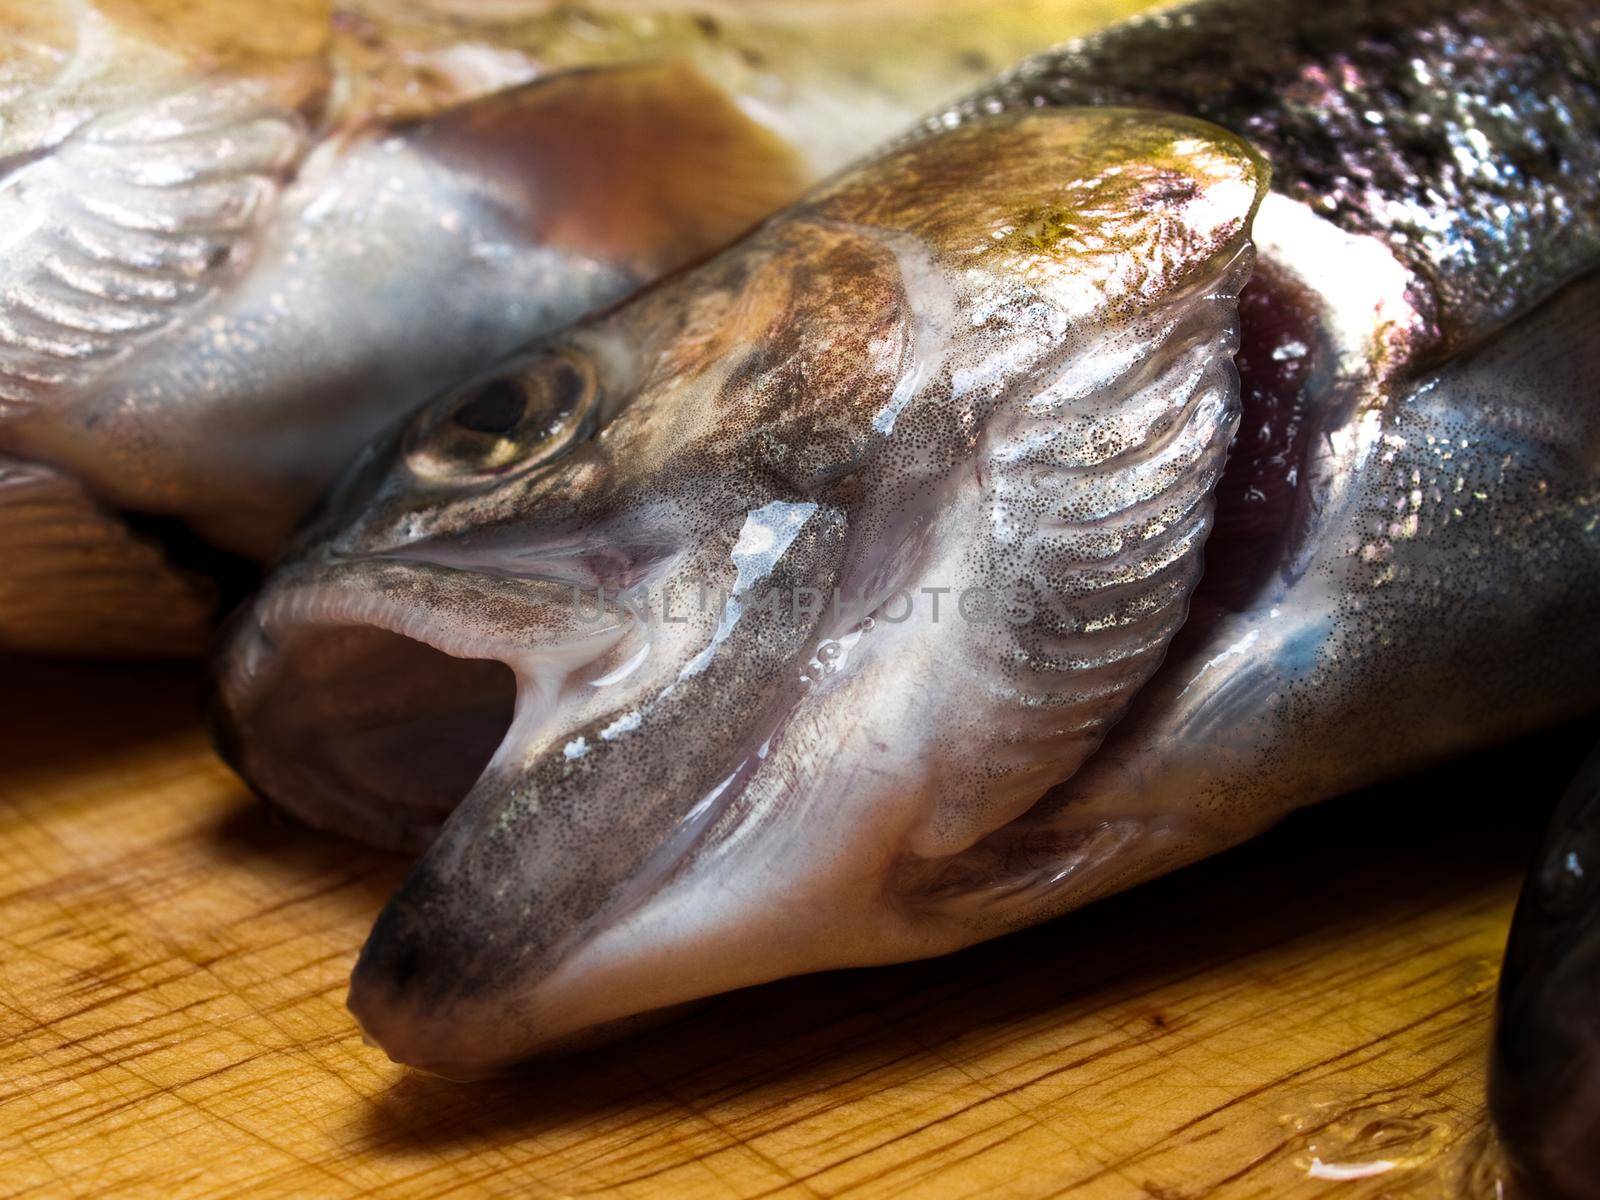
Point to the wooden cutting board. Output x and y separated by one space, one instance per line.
1313 1005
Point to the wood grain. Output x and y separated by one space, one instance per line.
175 959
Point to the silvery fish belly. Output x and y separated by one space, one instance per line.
840 601
233 248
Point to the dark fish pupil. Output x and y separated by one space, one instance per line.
567 387
495 408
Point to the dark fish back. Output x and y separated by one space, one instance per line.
1464 135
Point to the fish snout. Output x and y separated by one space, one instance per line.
411 991
429 990
390 998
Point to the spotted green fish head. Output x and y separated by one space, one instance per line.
712 641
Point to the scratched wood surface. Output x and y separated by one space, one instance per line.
174 959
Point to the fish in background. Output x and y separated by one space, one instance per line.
838 601
236 242
1544 1076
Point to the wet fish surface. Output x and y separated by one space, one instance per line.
1544 1082
553 634
235 248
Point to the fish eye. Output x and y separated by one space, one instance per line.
507 423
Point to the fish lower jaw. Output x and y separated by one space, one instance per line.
374 715
426 1048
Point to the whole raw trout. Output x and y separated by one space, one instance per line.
237 240
839 600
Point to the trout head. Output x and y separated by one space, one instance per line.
733 633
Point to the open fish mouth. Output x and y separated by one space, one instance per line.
378 694
738 632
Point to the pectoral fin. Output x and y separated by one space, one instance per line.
642 166
75 580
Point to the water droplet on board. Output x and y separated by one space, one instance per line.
1406 1148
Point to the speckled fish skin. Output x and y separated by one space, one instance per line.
1544 1080
236 249
1461 136
1401 554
